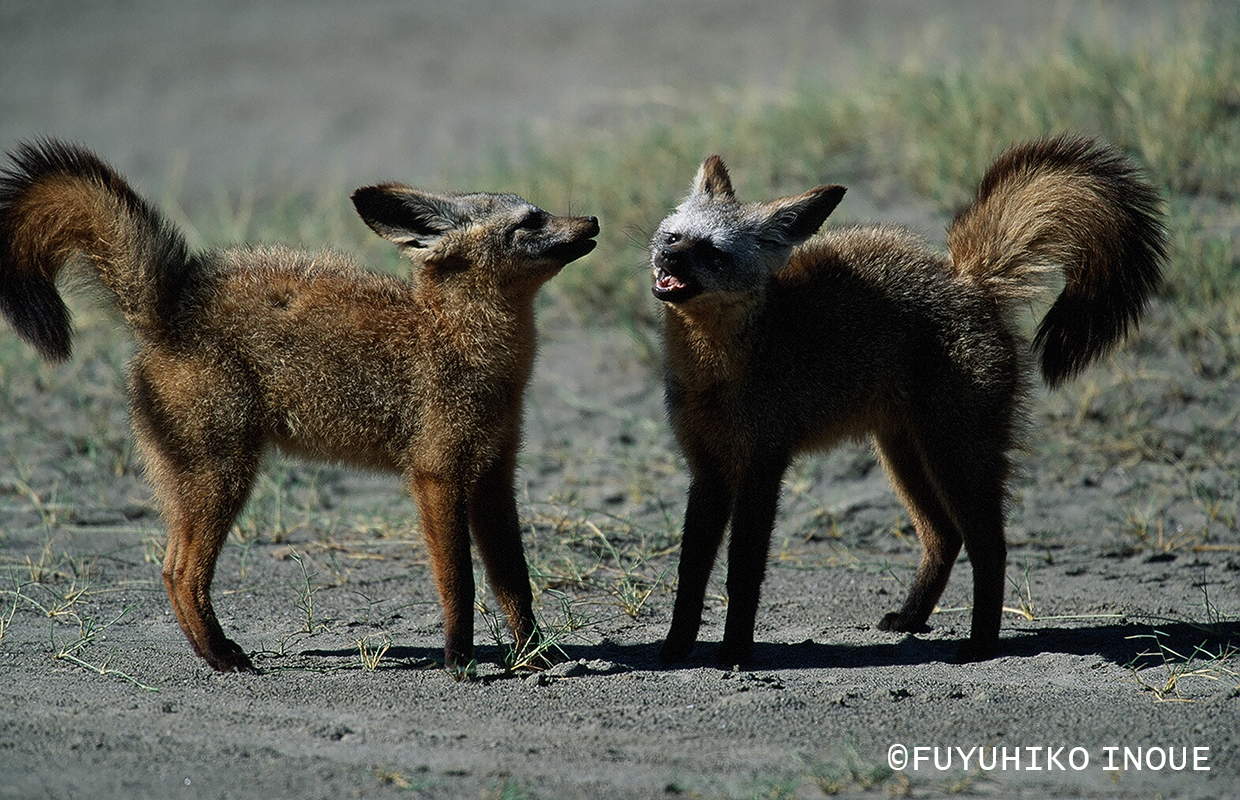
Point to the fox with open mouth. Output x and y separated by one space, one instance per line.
779 342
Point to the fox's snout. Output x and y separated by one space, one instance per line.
672 263
580 227
578 235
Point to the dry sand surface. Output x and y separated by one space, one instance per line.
1127 654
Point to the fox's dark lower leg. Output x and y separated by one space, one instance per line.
989 567
977 502
195 538
752 520
189 566
445 526
706 517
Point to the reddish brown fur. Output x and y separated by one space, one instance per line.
245 348
778 346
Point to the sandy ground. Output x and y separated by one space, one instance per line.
1123 541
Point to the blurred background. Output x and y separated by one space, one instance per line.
228 93
254 121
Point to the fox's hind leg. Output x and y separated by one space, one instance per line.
706 517
937 532
199 517
967 471
497 531
201 474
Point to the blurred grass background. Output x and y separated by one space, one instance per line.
919 134
914 136
924 133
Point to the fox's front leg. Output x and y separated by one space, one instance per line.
445 526
752 521
706 516
497 531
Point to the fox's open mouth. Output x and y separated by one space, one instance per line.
673 289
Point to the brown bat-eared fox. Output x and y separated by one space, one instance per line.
244 348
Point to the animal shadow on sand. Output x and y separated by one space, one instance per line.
1138 645
1128 644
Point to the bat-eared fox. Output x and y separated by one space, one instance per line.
779 342
245 348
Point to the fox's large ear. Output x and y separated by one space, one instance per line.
712 180
407 216
792 220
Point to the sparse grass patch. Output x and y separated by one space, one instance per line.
89 631
1164 670
847 773
418 783
44 592
9 611
370 651
1026 609
1203 662
305 596
509 790
537 654
597 552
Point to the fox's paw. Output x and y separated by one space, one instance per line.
675 650
733 654
459 663
227 656
971 651
896 622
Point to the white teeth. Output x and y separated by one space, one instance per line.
667 282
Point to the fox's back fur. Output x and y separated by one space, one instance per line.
346 365
247 347
815 345
780 342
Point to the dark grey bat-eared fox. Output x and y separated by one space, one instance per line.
779 342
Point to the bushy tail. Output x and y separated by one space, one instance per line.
60 205
1078 206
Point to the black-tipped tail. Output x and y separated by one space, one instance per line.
60 204
1075 205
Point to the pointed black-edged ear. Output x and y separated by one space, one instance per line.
712 180
792 220
407 216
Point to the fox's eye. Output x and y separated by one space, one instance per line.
713 256
671 238
532 221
